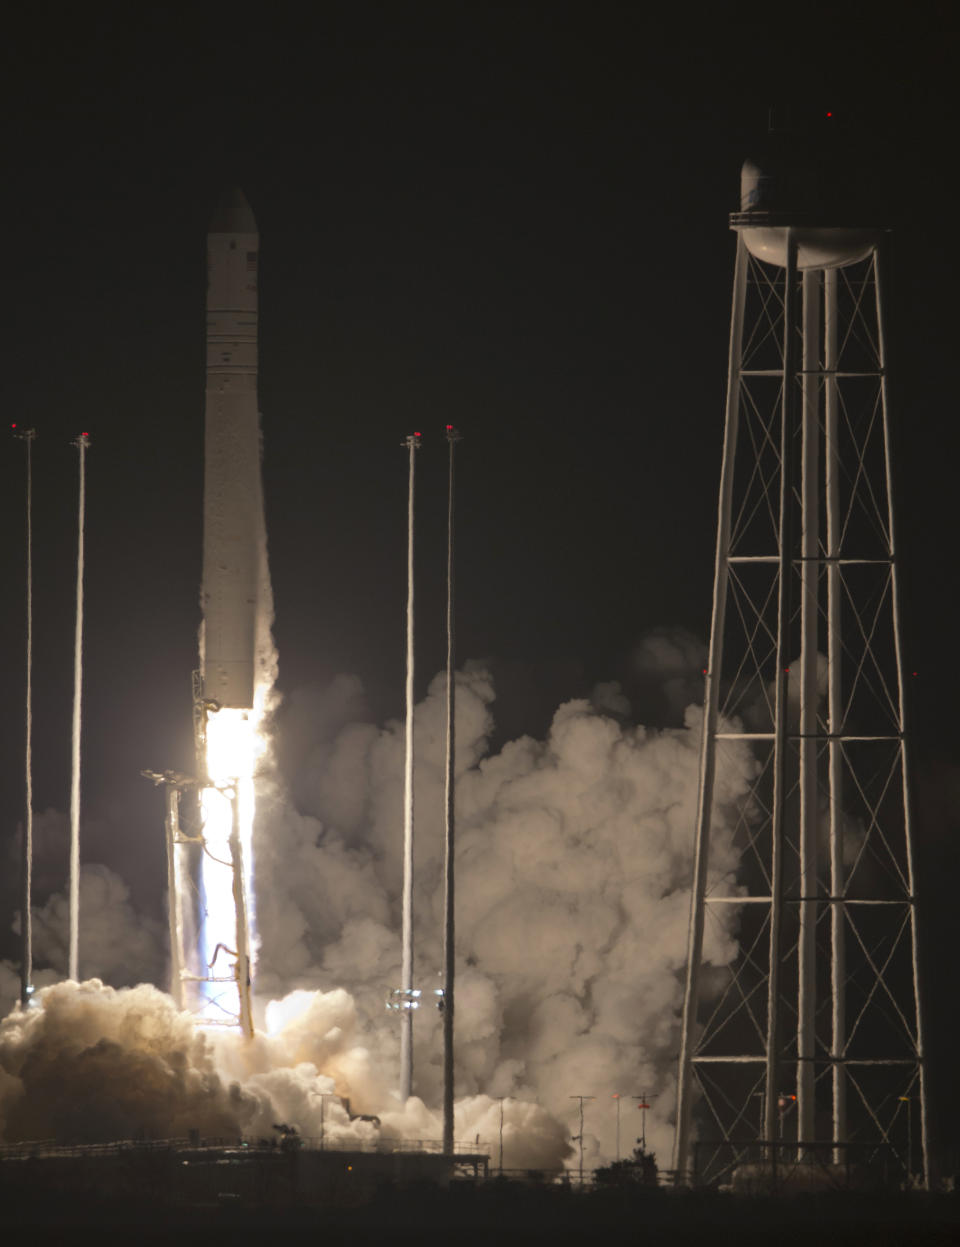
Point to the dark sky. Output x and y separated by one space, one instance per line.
512 218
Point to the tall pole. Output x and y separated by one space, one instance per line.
780 689
708 749
809 735
449 944
81 443
27 436
412 444
838 971
921 1074
581 1098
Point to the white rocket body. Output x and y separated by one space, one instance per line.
235 584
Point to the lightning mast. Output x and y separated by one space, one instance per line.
82 442
408 998
27 436
819 1017
449 891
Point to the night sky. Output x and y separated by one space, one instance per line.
510 218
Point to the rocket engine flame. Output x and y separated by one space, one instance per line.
234 743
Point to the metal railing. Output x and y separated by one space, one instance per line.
378 1145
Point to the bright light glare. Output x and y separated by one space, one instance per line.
280 1013
234 745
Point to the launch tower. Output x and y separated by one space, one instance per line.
808 1050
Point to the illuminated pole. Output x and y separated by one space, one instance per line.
412 444
449 944
26 919
73 971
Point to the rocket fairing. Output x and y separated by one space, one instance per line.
234 538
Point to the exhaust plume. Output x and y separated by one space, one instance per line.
574 858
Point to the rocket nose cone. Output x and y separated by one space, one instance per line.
233 215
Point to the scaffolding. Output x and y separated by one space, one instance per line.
813 1034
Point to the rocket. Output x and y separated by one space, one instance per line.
235 588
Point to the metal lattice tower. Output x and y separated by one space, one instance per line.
808 1047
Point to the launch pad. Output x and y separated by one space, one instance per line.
194 1173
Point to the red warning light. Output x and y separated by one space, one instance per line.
416 435
13 426
829 114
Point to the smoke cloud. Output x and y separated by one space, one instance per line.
573 875
117 944
87 1063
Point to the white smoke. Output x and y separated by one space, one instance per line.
573 875
88 1063
117 944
